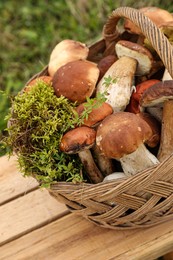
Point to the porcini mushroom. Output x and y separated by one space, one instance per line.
80 140
140 54
134 59
105 63
122 136
46 79
134 106
64 52
97 113
161 94
76 80
118 91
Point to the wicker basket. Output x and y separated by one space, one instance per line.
122 204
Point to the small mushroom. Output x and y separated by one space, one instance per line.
76 80
134 106
80 140
46 79
64 52
122 136
161 94
97 114
104 163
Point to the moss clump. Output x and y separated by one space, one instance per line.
37 121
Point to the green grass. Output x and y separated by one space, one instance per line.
30 29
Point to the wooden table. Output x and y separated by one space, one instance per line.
35 226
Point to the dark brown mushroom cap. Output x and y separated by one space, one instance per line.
157 94
105 63
155 127
76 80
78 139
121 133
96 115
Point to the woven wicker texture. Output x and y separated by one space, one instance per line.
134 202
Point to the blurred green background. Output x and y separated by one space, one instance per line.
29 30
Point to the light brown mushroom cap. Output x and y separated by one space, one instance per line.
64 52
30 84
157 94
78 139
76 80
155 14
121 133
97 114
136 51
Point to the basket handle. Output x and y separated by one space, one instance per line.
158 40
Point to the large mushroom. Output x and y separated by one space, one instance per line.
76 80
64 52
161 94
118 90
134 59
80 140
122 136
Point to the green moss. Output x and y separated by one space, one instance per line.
38 119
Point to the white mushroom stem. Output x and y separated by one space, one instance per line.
166 75
114 176
104 163
118 92
166 140
137 161
91 168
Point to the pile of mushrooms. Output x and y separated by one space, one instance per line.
133 129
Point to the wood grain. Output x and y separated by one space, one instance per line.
27 213
12 183
73 237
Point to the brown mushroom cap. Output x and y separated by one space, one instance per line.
121 133
105 63
155 127
76 80
157 94
96 115
46 79
155 14
64 52
78 139
137 52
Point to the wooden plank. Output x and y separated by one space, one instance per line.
27 213
72 237
12 183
